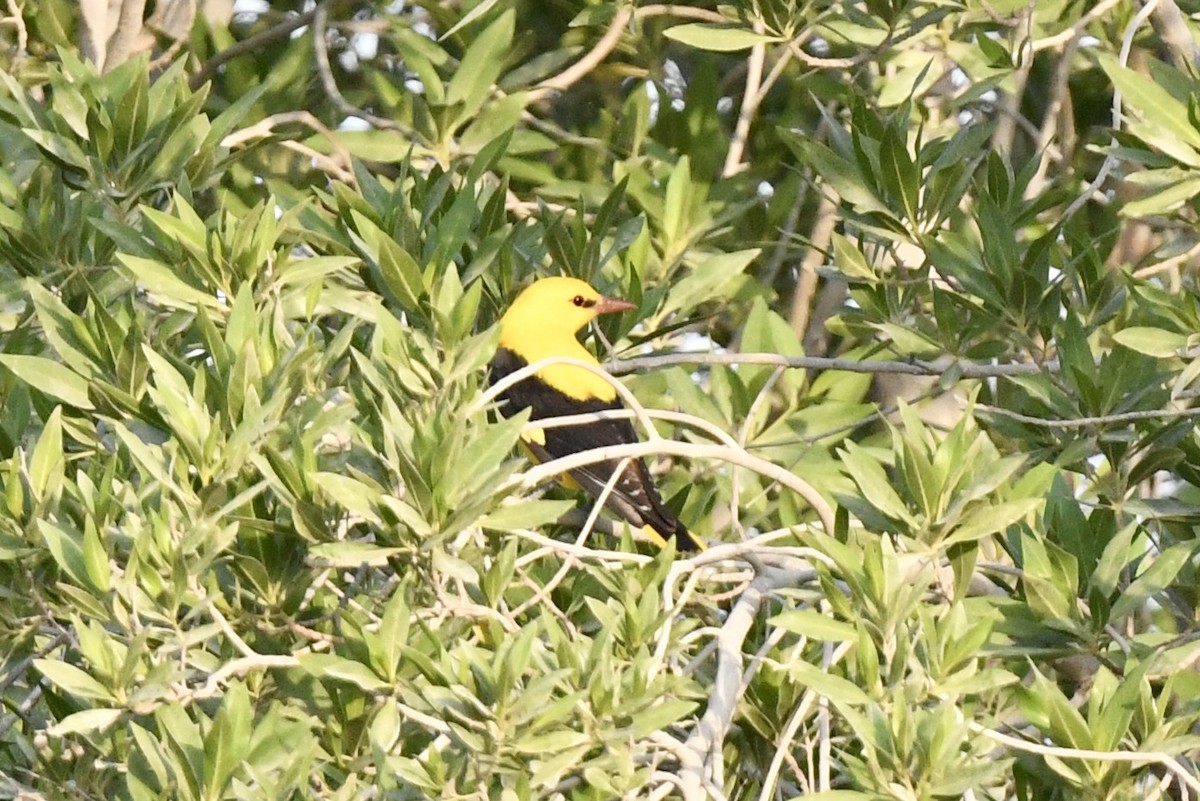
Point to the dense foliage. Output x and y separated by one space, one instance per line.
916 327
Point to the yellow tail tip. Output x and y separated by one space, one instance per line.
680 545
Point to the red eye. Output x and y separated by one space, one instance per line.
578 300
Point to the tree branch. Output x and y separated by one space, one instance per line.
728 686
735 456
1135 757
325 72
1098 420
253 44
595 56
1110 160
750 100
936 368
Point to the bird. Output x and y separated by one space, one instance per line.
543 322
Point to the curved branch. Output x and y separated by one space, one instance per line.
607 43
252 44
1110 160
325 72
1134 757
547 470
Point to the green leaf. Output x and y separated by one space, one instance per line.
71 679
898 171
51 378
660 716
67 550
331 666
1156 107
873 483
351 494
162 281
676 204
525 515
850 260
709 279
717 38
492 122
59 148
907 341
1154 579
1154 342
1163 201
228 741
814 625
47 465
1116 555
481 65
1067 726
86 721
351 554
835 688
63 329
995 518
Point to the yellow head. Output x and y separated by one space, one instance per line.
552 309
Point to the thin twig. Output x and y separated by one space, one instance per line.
237 668
785 58
1098 420
1136 757
168 55
831 63
223 624
684 12
595 56
22 709
495 390
1110 160
1059 95
750 100
784 743
1172 27
569 563
936 368
341 168
608 42
1167 264
253 44
17 15
1075 31
329 84
584 553
735 491
1009 103
782 247
129 25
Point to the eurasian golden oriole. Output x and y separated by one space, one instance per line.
542 322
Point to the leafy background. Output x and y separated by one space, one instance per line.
916 328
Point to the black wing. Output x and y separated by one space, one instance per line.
634 497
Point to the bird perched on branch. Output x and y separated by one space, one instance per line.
541 323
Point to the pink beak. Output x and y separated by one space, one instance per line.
607 305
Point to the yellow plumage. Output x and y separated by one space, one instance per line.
542 323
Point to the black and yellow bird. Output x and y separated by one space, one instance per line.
541 323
